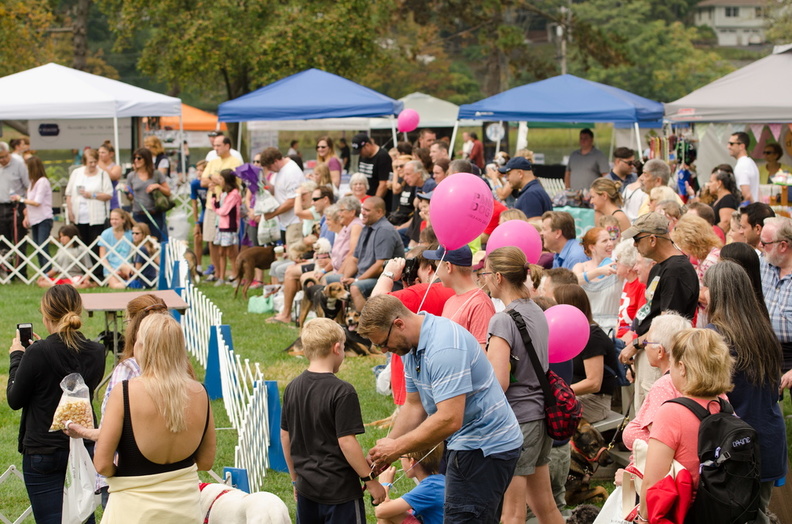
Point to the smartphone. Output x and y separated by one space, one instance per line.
25 334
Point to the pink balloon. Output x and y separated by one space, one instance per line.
568 332
408 120
460 209
518 234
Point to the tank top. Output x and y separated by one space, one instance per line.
131 462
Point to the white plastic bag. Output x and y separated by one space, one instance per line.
611 512
384 381
74 405
79 501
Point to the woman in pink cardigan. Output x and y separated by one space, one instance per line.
227 210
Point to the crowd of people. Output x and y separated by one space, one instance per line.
685 295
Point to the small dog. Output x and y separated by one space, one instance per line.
222 504
587 454
192 264
584 514
247 262
326 301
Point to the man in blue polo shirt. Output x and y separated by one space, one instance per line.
558 235
531 197
452 395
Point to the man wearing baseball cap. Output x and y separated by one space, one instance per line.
531 197
375 163
470 307
672 285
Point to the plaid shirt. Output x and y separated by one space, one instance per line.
778 297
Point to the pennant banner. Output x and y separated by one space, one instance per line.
775 129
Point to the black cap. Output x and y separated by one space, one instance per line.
360 140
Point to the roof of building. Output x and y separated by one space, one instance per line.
732 3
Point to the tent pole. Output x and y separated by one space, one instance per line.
393 129
453 136
613 141
498 149
181 145
115 137
239 137
638 152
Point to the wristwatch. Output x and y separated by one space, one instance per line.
388 274
367 479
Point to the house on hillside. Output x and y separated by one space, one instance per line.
735 22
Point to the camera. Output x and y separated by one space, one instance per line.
410 272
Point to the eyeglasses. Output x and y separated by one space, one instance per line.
485 273
321 147
398 166
638 239
646 343
768 152
317 198
734 143
384 345
764 244
136 233
629 162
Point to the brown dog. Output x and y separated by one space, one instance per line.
192 264
247 262
326 301
588 452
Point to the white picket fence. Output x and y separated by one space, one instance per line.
242 382
20 260
11 473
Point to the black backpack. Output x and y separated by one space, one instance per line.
728 449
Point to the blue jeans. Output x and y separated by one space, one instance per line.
475 485
41 233
159 227
44 477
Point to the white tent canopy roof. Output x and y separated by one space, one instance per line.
757 93
54 91
434 112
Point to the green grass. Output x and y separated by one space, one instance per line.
252 338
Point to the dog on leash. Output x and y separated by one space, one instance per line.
247 262
588 452
327 301
223 504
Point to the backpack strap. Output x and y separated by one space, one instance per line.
529 348
699 411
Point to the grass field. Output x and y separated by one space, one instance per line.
252 339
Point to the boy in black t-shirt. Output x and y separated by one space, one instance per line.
320 418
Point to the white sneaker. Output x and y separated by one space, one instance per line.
219 282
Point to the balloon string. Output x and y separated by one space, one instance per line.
426 293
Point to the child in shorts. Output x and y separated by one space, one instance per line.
319 423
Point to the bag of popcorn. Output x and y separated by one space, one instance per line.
74 405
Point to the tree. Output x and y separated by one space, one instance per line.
24 40
238 46
779 21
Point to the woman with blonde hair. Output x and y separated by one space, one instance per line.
107 162
695 238
660 193
506 271
161 162
149 422
325 153
34 376
701 369
606 199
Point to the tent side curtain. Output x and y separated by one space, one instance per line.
564 98
308 95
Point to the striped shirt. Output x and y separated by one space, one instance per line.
778 297
449 362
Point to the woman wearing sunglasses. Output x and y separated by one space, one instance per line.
326 153
141 183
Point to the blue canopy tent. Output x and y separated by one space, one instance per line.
566 98
311 94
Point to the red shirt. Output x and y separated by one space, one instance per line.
632 298
477 154
411 297
497 209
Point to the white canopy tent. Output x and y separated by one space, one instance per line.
53 91
434 112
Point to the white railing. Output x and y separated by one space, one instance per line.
10 473
197 321
21 260
251 451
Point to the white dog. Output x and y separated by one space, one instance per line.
226 505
